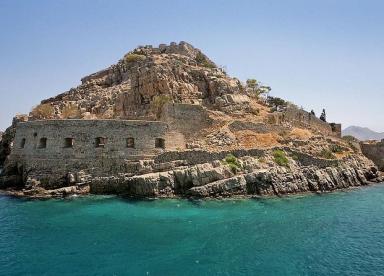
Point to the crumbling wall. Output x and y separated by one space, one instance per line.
303 119
189 119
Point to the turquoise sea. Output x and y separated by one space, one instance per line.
333 234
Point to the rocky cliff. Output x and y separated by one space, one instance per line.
178 73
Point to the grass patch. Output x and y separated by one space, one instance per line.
336 148
133 57
233 163
280 158
203 61
327 154
158 103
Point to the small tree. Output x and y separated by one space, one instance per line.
323 116
256 88
43 111
276 103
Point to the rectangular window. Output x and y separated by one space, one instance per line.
22 143
43 143
100 142
160 143
68 142
130 142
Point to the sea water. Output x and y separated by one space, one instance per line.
333 234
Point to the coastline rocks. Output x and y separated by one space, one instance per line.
217 180
213 179
231 186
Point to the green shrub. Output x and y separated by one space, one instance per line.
336 148
158 103
350 138
203 61
295 157
280 158
130 57
327 154
232 162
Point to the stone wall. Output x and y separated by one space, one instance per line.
303 119
375 152
102 146
84 134
193 157
186 118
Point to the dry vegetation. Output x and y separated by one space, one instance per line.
43 111
250 139
300 134
71 111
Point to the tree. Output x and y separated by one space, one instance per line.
256 88
313 113
276 103
323 116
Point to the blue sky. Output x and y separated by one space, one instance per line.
317 54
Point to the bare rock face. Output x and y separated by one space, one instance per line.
254 178
130 89
6 138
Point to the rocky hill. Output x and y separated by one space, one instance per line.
129 89
363 133
233 137
147 79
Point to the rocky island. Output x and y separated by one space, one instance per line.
167 121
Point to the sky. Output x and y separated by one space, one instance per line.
315 53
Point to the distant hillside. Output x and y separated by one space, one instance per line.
362 133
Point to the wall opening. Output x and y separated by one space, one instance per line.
130 142
22 143
68 142
43 143
100 142
159 143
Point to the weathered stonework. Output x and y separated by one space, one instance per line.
375 152
303 119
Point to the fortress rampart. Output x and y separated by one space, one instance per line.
303 119
375 152
94 138
56 147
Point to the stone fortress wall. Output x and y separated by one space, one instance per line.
375 152
94 138
106 145
303 119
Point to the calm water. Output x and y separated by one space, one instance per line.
340 233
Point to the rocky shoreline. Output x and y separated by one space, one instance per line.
253 177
